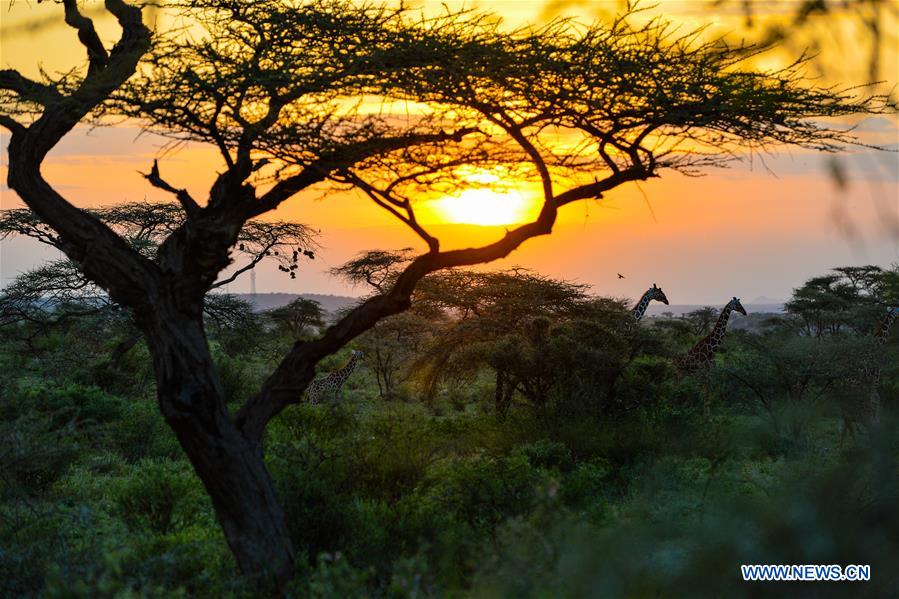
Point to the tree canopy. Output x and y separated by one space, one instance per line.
849 298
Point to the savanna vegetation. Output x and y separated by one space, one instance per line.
506 433
512 436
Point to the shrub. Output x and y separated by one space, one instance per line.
161 496
547 454
34 452
71 402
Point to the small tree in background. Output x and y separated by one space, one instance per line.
498 319
850 299
299 319
818 349
267 84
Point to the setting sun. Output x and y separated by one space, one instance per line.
482 206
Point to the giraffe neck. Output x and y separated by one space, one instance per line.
883 331
641 306
345 372
717 334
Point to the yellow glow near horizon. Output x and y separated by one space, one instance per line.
484 206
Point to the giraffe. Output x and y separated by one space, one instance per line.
702 355
333 382
861 409
653 293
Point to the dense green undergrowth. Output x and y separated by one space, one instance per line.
392 499
638 488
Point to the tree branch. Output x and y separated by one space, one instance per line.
256 260
87 35
383 199
94 247
11 124
597 188
184 198
345 157
28 89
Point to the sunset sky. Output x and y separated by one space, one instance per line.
759 228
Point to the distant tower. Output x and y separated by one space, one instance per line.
253 282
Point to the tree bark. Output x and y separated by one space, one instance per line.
230 466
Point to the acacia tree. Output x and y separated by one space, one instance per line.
849 299
392 345
702 320
299 318
497 319
294 95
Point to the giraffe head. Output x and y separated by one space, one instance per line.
736 306
357 354
656 293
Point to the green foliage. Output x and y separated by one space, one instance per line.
72 403
852 297
161 496
617 484
239 377
802 517
392 346
34 452
547 454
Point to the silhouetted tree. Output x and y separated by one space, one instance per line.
299 319
271 84
849 299
531 332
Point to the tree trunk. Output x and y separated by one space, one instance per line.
230 466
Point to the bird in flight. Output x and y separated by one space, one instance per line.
620 276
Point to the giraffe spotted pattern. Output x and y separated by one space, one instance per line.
653 293
332 384
702 355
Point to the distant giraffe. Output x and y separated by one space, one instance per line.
333 383
702 355
653 293
864 408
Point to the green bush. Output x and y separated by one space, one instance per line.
34 452
586 483
143 434
548 454
161 496
67 403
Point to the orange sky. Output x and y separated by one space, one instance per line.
741 231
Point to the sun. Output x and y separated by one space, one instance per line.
484 206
